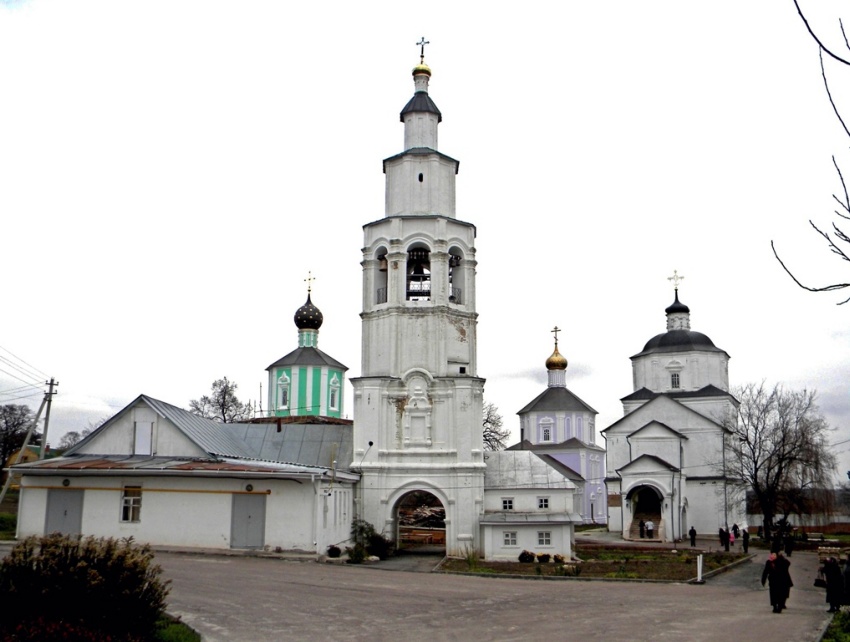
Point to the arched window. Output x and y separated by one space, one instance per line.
546 429
419 274
283 392
333 397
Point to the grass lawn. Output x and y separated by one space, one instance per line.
610 562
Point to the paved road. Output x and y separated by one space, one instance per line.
249 599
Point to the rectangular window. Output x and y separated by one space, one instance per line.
131 504
674 380
542 502
544 538
143 438
509 538
507 503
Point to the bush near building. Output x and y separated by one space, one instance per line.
63 587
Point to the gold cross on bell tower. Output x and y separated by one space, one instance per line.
555 331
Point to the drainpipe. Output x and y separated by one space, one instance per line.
315 512
672 507
607 507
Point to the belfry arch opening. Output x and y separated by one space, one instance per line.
418 274
457 275
381 277
421 520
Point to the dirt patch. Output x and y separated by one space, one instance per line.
609 562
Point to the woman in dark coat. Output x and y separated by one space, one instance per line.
776 572
834 584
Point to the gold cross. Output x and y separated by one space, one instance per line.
556 330
675 278
309 281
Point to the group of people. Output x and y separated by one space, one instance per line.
647 528
728 536
830 576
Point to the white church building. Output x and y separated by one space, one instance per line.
296 479
666 456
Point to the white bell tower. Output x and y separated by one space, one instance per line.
418 403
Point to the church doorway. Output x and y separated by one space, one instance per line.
646 506
421 519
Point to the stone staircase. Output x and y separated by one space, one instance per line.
634 529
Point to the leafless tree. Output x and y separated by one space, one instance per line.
222 405
779 438
495 435
837 239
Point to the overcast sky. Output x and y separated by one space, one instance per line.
171 171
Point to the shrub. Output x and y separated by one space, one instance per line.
380 546
107 586
368 541
334 551
526 557
543 557
559 559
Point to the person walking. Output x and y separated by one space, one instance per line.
650 527
745 541
642 527
736 530
693 535
779 578
834 584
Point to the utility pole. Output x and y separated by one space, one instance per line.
49 398
20 456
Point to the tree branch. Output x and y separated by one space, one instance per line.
817 40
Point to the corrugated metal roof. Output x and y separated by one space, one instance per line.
140 464
519 469
304 444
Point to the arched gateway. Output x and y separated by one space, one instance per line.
420 522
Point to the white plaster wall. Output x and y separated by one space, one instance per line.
494 548
525 499
118 439
699 369
406 195
196 519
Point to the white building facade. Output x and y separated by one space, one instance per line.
666 458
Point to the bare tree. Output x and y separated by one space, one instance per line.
779 438
222 405
495 436
836 239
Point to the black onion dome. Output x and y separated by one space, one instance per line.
677 306
679 341
308 316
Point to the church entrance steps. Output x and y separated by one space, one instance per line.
633 533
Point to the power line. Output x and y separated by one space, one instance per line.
43 374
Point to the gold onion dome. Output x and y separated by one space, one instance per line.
557 361
422 68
